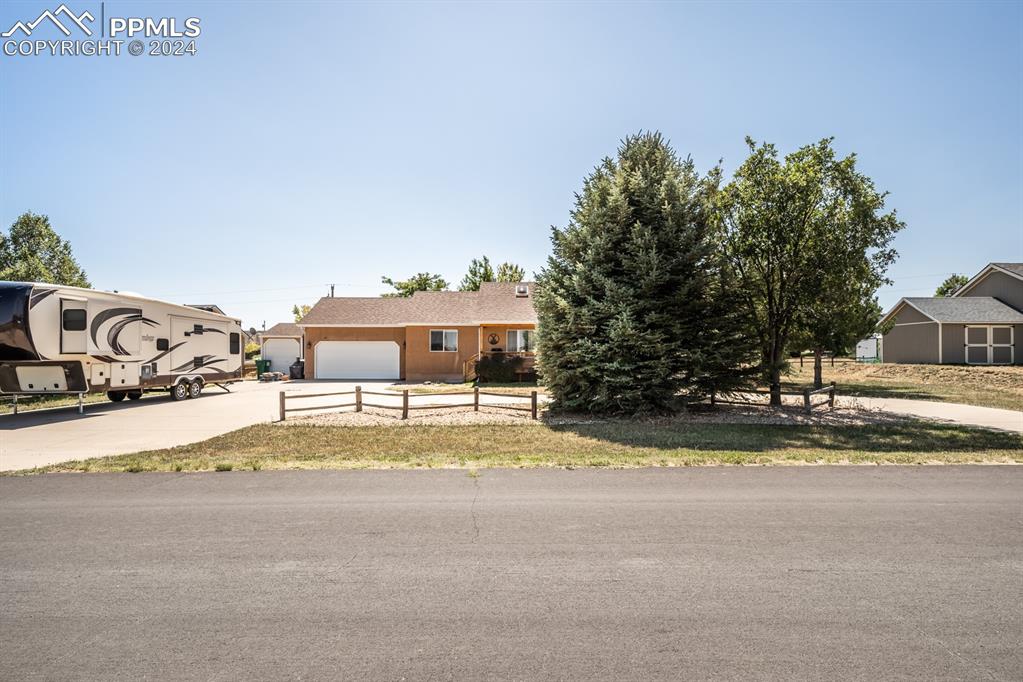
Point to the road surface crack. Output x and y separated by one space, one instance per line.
472 510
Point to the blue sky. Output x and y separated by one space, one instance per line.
317 143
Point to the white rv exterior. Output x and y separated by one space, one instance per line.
56 339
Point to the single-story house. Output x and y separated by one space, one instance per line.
977 325
431 335
281 344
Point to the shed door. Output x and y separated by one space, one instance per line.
1002 351
977 346
358 360
74 337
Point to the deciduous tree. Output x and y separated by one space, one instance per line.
802 234
480 271
423 281
952 284
33 252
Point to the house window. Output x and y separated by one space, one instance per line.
74 320
443 340
520 340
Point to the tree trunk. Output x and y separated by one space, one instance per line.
818 381
775 386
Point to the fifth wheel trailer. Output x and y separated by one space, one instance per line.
57 339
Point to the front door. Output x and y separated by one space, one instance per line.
73 335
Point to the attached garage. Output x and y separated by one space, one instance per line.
358 360
281 353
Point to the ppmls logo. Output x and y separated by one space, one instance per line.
169 38
52 16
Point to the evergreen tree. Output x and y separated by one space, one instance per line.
631 306
34 252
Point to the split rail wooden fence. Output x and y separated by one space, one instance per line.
358 403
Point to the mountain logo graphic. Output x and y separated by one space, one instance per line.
77 20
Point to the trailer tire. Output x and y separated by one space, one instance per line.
116 396
179 391
195 388
134 395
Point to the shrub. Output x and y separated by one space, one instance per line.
501 369
224 466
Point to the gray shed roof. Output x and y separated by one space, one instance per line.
968 309
1016 268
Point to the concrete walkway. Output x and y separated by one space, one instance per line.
953 413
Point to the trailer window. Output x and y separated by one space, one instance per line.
162 344
197 361
74 320
197 329
236 344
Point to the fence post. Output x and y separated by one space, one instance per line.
832 359
15 403
532 400
806 400
713 397
800 359
282 406
358 398
404 404
831 396
476 398
80 409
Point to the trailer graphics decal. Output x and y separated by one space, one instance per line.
38 295
129 314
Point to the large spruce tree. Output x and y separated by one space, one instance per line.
630 304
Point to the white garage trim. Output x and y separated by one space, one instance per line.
281 352
357 360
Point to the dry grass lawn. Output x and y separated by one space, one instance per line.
596 443
986 386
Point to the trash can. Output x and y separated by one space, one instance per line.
297 369
262 366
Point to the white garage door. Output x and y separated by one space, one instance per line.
358 360
281 353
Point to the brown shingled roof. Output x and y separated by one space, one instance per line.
282 329
494 302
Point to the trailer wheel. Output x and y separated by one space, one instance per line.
134 395
180 390
116 396
195 388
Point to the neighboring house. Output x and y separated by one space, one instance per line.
431 335
980 324
281 344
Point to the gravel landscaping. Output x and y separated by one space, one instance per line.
491 414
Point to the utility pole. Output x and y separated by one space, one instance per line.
332 291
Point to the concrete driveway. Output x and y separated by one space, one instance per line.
41 437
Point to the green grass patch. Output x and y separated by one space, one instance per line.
597 444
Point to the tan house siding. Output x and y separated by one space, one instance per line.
913 339
424 364
314 335
1006 288
953 337
501 330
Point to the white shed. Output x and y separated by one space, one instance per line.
281 344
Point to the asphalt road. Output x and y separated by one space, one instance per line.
728 573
